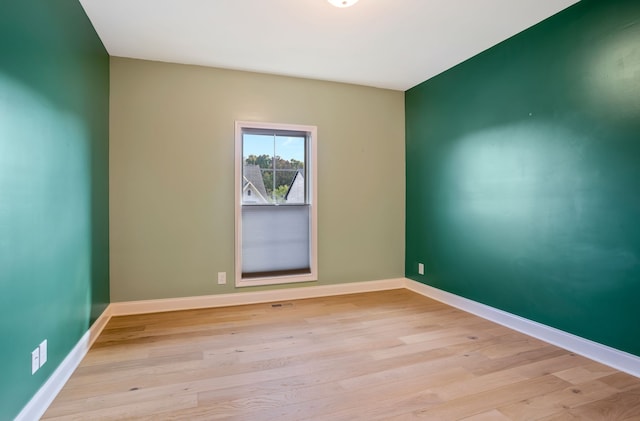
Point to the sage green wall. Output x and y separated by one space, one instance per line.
523 174
172 174
54 262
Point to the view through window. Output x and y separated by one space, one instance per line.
273 167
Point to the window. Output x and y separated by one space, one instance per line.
276 216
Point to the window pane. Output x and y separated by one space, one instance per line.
290 175
258 149
257 171
291 149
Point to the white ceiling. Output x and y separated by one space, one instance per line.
393 44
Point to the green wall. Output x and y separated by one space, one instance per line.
54 262
523 174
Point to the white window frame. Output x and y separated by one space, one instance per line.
312 198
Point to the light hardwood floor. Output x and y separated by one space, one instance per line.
391 355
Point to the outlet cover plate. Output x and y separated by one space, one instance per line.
43 352
35 360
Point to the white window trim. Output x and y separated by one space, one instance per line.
311 170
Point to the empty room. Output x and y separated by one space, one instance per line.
320 210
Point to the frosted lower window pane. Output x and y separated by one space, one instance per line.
275 238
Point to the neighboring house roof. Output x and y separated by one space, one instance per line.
252 178
295 193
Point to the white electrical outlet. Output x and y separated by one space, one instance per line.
420 269
43 352
222 278
35 360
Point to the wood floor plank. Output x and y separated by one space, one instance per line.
558 402
493 415
480 402
373 356
621 406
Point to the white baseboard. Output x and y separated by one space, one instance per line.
242 298
612 357
47 393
